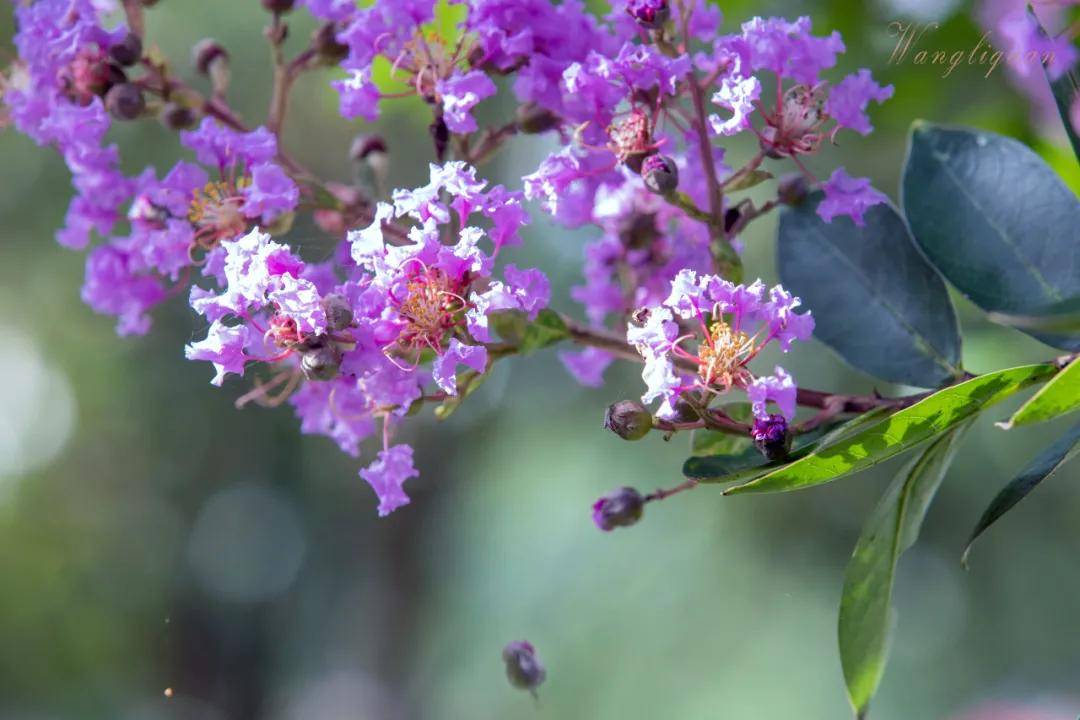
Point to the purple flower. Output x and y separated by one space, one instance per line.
788 49
1028 47
271 193
738 95
114 286
359 96
460 94
587 366
457 353
845 195
387 476
850 97
778 388
224 347
334 10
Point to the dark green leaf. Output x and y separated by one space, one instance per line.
1059 397
875 299
1060 319
901 431
995 220
1042 467
1065 89
749 180
547 329
893 527
704 443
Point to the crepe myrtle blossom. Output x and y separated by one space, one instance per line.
729 324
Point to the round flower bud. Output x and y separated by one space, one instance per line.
128 51
278 6
628 419
621 508
660 174
650 14
206 53
731 219
125 101
177 117
364 146
533 119
339 314
772 437
523 668
793 189
325 43
321 362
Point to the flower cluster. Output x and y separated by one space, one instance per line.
699 342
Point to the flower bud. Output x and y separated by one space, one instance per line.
278 6
149 3
772 437
128 51
364 146
178 117
211 59
649 14
339 314
628 419
533 119
325 43
793 189
660 174
125 101
731 219
523 668
320 362
621 508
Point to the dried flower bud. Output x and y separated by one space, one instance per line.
325 43
440 135
793 189
660 173
772 437
125 101
320 362
178 117
621 508
128 51
278 6
364 146
731 219
533 119
523 668
211 59
628 419
650 14
339 314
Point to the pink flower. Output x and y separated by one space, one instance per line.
845 195
387 476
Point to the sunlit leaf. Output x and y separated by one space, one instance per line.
1059 397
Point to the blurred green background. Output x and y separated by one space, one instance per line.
153 537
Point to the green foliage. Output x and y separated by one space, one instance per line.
514 327
1059 397
995 221
892 528
1066 89
876 300
1046 464
908 428
704 443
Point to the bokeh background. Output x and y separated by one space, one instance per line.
153 538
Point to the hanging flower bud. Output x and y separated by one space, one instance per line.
660 174
793 189
212 60
628 419
320 362
178 117
125 101
649 14
278 6
621 508
339 314
523 668
128 51
772 437
731 219
533 119
325 43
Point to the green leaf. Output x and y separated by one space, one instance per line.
704 443
468 383
1059 397
876 300
547 329
899 432
995 220
1065 90
893 527
1046 464
1060 319
749 180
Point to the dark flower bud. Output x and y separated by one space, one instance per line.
149 3
772 437
440 134
125 101
339 314
364 146
651 14
533 119
278 6
207 52
128 51
177 117
731 219
325 43
793 189
621 508
660 174
628 419
523 668
320 362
